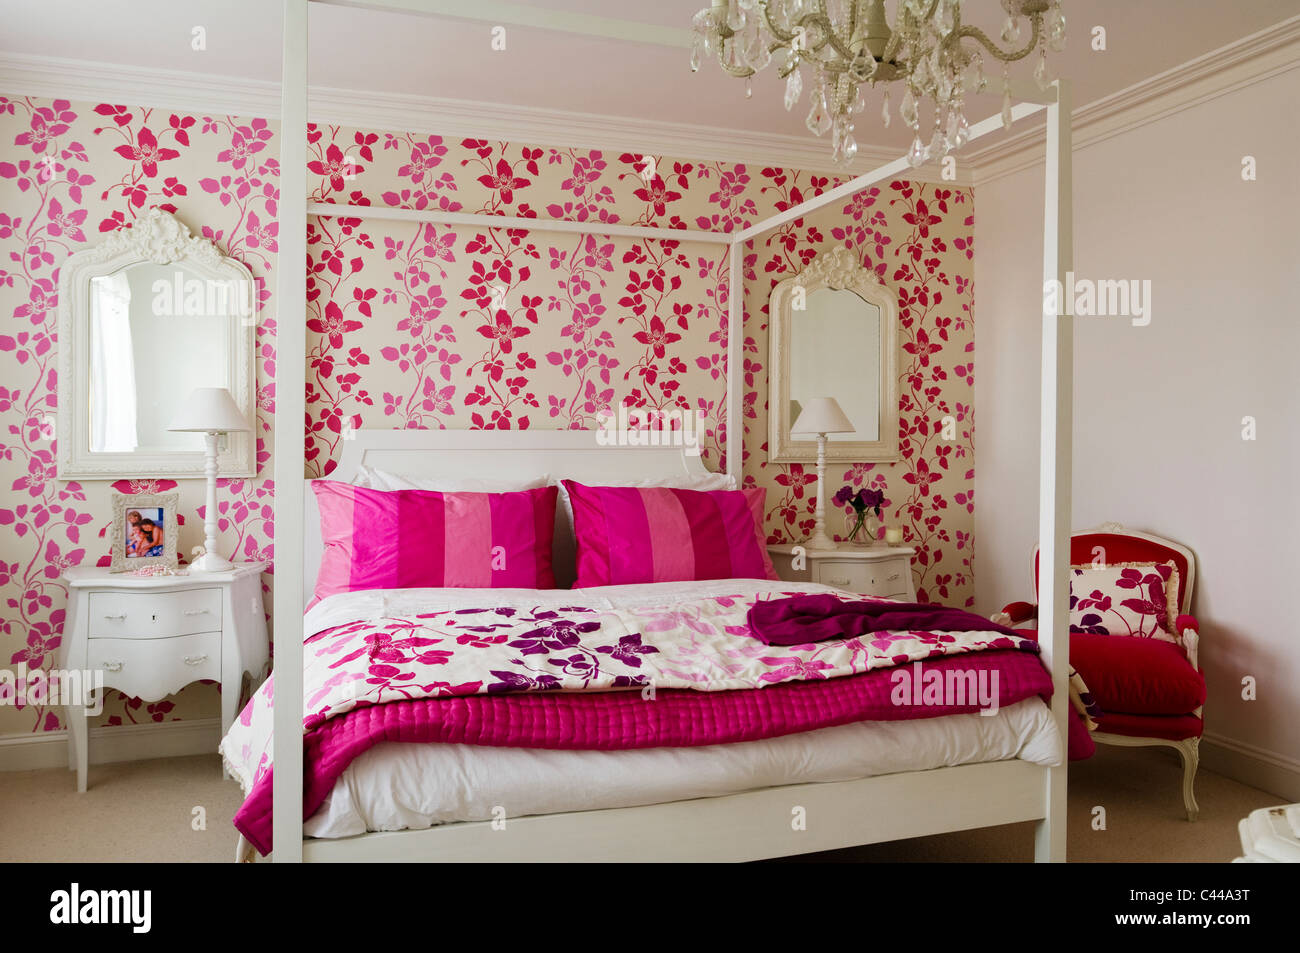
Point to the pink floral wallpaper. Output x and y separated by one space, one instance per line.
68 175
417 325
919 239
426 326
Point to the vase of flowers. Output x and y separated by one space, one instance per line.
863 523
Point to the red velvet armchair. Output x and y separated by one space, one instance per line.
1150 692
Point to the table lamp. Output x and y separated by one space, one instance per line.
820 416
210 411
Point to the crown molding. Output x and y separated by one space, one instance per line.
22 74
536 17
562 128
1247 61
1250 60
207 93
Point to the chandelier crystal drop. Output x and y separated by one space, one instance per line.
819 120
849 46
1006 99
793 87
917 155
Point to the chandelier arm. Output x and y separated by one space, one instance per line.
853 19
725 34
847 51
830 38
740 72
982 38
904 24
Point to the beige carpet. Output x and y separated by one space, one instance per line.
144 811
131 811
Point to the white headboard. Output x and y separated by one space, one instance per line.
497 455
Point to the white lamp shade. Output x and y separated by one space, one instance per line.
821 415
209 410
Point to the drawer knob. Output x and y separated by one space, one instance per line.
196 611
116 618
113 666
195 659
895 576
838 582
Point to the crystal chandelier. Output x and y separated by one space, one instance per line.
847 44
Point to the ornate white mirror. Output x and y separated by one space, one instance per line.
145 317
833 332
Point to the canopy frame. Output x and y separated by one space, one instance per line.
290 438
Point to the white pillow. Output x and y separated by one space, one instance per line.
383 480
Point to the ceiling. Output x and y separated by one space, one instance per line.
452 58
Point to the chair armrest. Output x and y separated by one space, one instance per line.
1018 612
1189 632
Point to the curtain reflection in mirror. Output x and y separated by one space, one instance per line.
112 367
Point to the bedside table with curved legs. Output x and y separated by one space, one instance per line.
153 635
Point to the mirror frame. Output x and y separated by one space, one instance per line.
158 238
839 270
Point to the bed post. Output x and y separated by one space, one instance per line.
290 438
1055 458
735 350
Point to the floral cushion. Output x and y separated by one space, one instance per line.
1134 599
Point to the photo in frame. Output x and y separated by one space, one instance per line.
144 530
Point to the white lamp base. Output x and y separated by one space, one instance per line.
820 539
211 562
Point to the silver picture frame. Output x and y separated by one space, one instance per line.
130 511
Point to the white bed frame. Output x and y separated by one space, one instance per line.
737 827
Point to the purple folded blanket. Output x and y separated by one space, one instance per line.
799 620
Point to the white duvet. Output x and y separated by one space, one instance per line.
395 786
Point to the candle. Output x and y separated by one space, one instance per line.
894 535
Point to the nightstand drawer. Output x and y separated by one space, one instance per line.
154 668
885 577
153 615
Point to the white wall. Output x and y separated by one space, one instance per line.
1158 409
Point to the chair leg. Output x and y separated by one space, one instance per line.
1190 750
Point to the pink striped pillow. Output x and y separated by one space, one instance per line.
631 534
411 539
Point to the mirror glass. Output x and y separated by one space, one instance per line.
835 352
156 332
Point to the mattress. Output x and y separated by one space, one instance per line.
396 786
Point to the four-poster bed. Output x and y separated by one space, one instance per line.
734 827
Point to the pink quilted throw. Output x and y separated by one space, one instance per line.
663 534
416 539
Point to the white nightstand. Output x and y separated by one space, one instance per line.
153 635
870 570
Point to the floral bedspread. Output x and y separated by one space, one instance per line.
376 647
